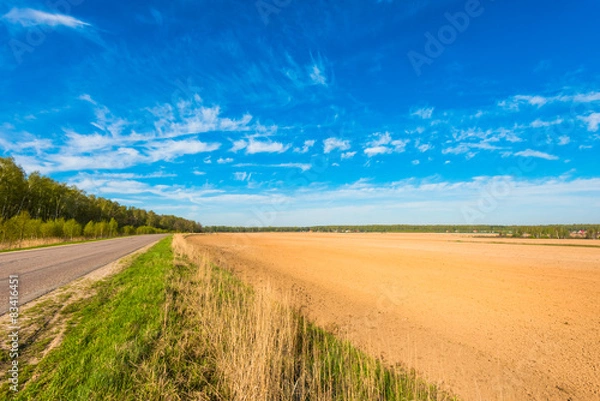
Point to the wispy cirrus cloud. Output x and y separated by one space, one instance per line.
104 184
468 148
536 154
301 166
253 146
97 152
242 176
171 149
190 117
26 142
425 113
119 158
28 17
538 101
317 75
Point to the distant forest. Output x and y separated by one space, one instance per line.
590 231
37 207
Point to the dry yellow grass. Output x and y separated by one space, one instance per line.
31 243
262 350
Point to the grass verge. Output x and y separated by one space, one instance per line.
172 326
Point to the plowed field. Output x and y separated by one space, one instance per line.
490 321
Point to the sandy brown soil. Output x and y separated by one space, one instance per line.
489 321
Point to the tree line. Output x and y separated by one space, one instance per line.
557 231
37 207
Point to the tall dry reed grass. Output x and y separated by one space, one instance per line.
258 348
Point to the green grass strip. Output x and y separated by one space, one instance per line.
114 332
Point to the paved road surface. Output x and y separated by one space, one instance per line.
43 270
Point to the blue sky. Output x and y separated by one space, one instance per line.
286 112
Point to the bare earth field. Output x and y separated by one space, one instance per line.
489 321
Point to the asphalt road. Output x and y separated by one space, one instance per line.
43 270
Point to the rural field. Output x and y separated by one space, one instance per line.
485 318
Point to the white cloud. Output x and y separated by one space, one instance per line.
467 148
539 123
196 172
105 120
169 150
424 147
87 143
539 101
509 105
241 176
537 154
253 146
381 139
415 162
563 140
317 76
238 145
383 144
425 113
399 145
27 142
129 176
377 150
114 159
306 147
28 17
331 144
192 117
87 98
532 100
592 121
228 124
586 97
221 160
348 155
265 147
301 166
101 184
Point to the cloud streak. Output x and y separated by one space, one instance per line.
536 154
28 17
